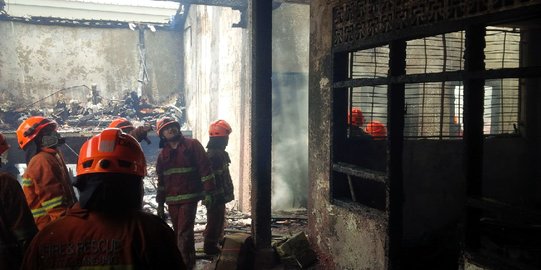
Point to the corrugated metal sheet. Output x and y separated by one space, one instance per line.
106 10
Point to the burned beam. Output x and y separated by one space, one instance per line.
360 172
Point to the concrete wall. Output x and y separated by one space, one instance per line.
346 237
37 60
217 84
350 236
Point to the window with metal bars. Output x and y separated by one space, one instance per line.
434 107
434 104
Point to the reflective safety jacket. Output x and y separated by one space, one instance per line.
184 173
219 159
16 223
84 239
47 186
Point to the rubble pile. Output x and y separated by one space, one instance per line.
92 114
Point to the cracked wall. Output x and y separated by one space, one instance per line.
37 60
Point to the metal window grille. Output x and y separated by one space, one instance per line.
435 109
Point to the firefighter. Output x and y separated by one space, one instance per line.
107 228
219 137
355 122
376 129
46 181
139 133
16 222
184 177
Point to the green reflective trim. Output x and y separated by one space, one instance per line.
52 203
39 212
208 177
179 170
183 197
26 182
219 172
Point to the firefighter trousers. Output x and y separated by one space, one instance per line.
183 219
215 224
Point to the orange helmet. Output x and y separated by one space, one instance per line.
3 144
219 128
121 123
111 151
30 128
356 118
376 129
163 122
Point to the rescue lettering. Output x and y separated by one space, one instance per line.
87 247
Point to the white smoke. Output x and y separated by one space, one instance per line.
290 106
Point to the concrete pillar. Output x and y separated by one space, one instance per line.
261 29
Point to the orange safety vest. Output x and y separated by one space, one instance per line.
47 186
92 240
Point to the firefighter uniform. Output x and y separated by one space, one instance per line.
224 193
219 131
47 186
184 177
16 223
92 240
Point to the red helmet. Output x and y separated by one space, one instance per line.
219 128
376 129
356 118
122 123
3 144
166 121
30 128
111 151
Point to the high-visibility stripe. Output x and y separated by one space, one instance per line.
26 182
208 177
52 203
179 170
38 212
218 172
183 197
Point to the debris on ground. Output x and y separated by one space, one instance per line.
91 114
296 251
288 228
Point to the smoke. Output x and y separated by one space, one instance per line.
290 141
290 106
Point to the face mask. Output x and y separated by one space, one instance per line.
51 140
